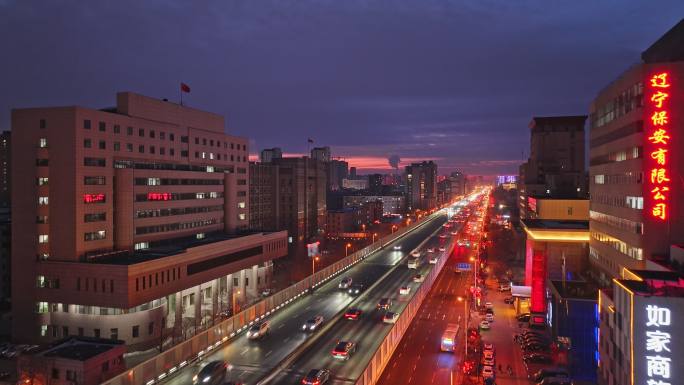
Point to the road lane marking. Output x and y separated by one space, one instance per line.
281 325
242 353
286 339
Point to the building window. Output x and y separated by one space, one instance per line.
80 332
162 135
242 217
117 146
162 151
184 139
102 126
43 201
114 333
42 181
41 307
242 205
96 333
42 219
129 130
184 153
94 180
95 162
172 137
141 148
200 235
102 145
42 123
136 331
152 134
172 152
150 328
86 124
95 217
152 150
65 333
129 147
95 235
43 238
42 143
153 181
142 246
87 143
141 132
235 281
117 129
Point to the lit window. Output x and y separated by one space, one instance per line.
43 328
242 217
43 238
42 181
41 307
42 200
200 235
43 142
241 205
40 281
204 155
213 194
210 168
142 245
211 155
153 181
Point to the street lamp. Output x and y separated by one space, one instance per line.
313 264
374 236
346 249
394 227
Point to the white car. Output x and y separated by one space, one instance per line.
404 290
390 317
433 260
431 250
484 325
415 253
259 330
397 247
487 372
312 323
345 283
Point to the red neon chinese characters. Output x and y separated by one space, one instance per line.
658 144
93 198
159 196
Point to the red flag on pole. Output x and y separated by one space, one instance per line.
185 88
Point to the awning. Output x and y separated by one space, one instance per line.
521 291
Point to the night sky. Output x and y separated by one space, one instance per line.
454 81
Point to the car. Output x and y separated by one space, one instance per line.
344 350
506 287
488 354
384 304
415 253
489 311
418 278
213 373
489 305
390 317
352 313
537 358
484 325
434 260
442 236
523 317
509 300
259 330
266 292
405 290
316 377
355 289
489 317
535 347
442 249
488 347
345 283
397 247
454 233
488 361
431 250
487 372
312 323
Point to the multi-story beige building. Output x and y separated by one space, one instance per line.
635 161
132 222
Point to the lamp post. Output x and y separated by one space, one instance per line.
313 264
394 227
346 249
374 236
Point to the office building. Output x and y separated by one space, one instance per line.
5 215
337 172
264 197
638 338
391 204
375 183
268 154
321 154
359 183
133 223
421 186
5 170
637 209
556 166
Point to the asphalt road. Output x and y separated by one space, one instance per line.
367 332
252 359
418 358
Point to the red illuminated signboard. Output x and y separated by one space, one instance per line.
93 198
158 196
538 295
658 136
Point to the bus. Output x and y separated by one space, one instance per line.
448 343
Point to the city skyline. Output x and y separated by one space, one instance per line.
341 74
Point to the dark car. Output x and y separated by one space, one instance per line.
212 373
344 350
537 358
384 304
353 313
355 289
524 317
316 377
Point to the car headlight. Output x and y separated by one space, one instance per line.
194 378
206 379
304 327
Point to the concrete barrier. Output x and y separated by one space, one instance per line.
166 364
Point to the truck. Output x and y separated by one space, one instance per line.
448 342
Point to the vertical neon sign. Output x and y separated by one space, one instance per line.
657 125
